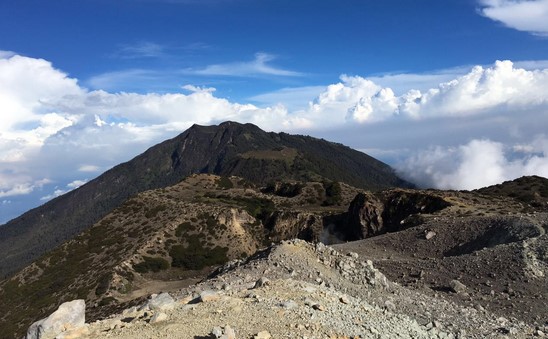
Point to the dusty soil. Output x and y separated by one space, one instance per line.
501 260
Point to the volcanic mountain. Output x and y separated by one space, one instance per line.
227 149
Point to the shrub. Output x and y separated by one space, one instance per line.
195 256
103 285
332 193
151 264
224 183
153 212
182 227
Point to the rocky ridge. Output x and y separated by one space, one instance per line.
302 290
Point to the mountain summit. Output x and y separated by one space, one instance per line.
227 149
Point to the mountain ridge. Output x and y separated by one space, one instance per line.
227 149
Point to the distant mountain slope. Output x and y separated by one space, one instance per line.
227 149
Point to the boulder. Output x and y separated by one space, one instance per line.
69 316
160 302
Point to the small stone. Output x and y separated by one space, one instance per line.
158 317
390 306
263 281
217 332
318 307
262 335
429 235
208 296
344 299
186 300
290 304
457 287
353 255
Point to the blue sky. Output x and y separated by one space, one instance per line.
441 90
163 44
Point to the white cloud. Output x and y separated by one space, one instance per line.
76 183
196 89
14 184
69 187
524 15
293 98
259 66
6 54
123 79
476 164
89 168
142 49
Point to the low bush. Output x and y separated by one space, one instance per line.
151 264
196 256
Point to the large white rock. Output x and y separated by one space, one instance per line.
68 316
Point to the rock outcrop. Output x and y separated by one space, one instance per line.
67 321
370 215
365 216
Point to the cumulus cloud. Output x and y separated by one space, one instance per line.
259 66
524 15
480 91
479 163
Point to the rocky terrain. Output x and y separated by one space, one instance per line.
301 290
169 238
450 263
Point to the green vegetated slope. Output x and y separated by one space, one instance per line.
227 149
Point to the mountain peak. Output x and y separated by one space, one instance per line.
229 148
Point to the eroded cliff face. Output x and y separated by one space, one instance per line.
283 225
365 216
390 211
